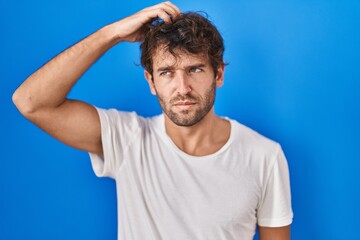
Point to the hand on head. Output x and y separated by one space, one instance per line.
132 28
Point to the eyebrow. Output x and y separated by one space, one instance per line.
167 68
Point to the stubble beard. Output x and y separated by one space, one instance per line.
187 118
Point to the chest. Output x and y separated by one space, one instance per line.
217 192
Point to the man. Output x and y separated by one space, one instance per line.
185 174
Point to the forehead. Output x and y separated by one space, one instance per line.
181 58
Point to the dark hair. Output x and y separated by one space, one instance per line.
190 32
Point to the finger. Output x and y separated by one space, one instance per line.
173 13
164 16
168 7
163 13
176 10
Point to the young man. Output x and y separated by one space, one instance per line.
185 174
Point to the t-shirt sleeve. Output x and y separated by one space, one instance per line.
275 206
117 132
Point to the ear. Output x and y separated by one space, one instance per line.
149 79
220 75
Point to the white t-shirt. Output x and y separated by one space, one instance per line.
164 193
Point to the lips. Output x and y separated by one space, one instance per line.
184 103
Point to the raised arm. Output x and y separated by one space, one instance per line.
41 98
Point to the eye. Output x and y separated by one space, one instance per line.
165 73
195 70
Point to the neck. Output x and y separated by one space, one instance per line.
204 138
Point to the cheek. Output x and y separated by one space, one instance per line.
165 89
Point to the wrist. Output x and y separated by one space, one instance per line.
110 34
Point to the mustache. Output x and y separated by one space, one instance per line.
182 98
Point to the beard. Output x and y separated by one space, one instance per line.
187 118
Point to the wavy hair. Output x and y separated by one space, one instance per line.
190 32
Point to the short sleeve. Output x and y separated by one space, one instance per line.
275 207
117 131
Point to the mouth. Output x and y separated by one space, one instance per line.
184 105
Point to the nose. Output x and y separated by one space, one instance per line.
183 83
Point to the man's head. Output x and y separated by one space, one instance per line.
183 64
189 32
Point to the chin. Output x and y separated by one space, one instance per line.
185 121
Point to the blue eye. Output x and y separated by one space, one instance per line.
195 70
165 73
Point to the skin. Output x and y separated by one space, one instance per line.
41 98
175 80
185 87
274 233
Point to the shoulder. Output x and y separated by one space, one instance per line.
261 155
259 151
250 139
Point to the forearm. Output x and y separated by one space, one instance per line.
42 97
49 86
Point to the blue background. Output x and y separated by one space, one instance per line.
293 75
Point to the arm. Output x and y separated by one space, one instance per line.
42 97
274 233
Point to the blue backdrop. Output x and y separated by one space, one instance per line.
293 75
